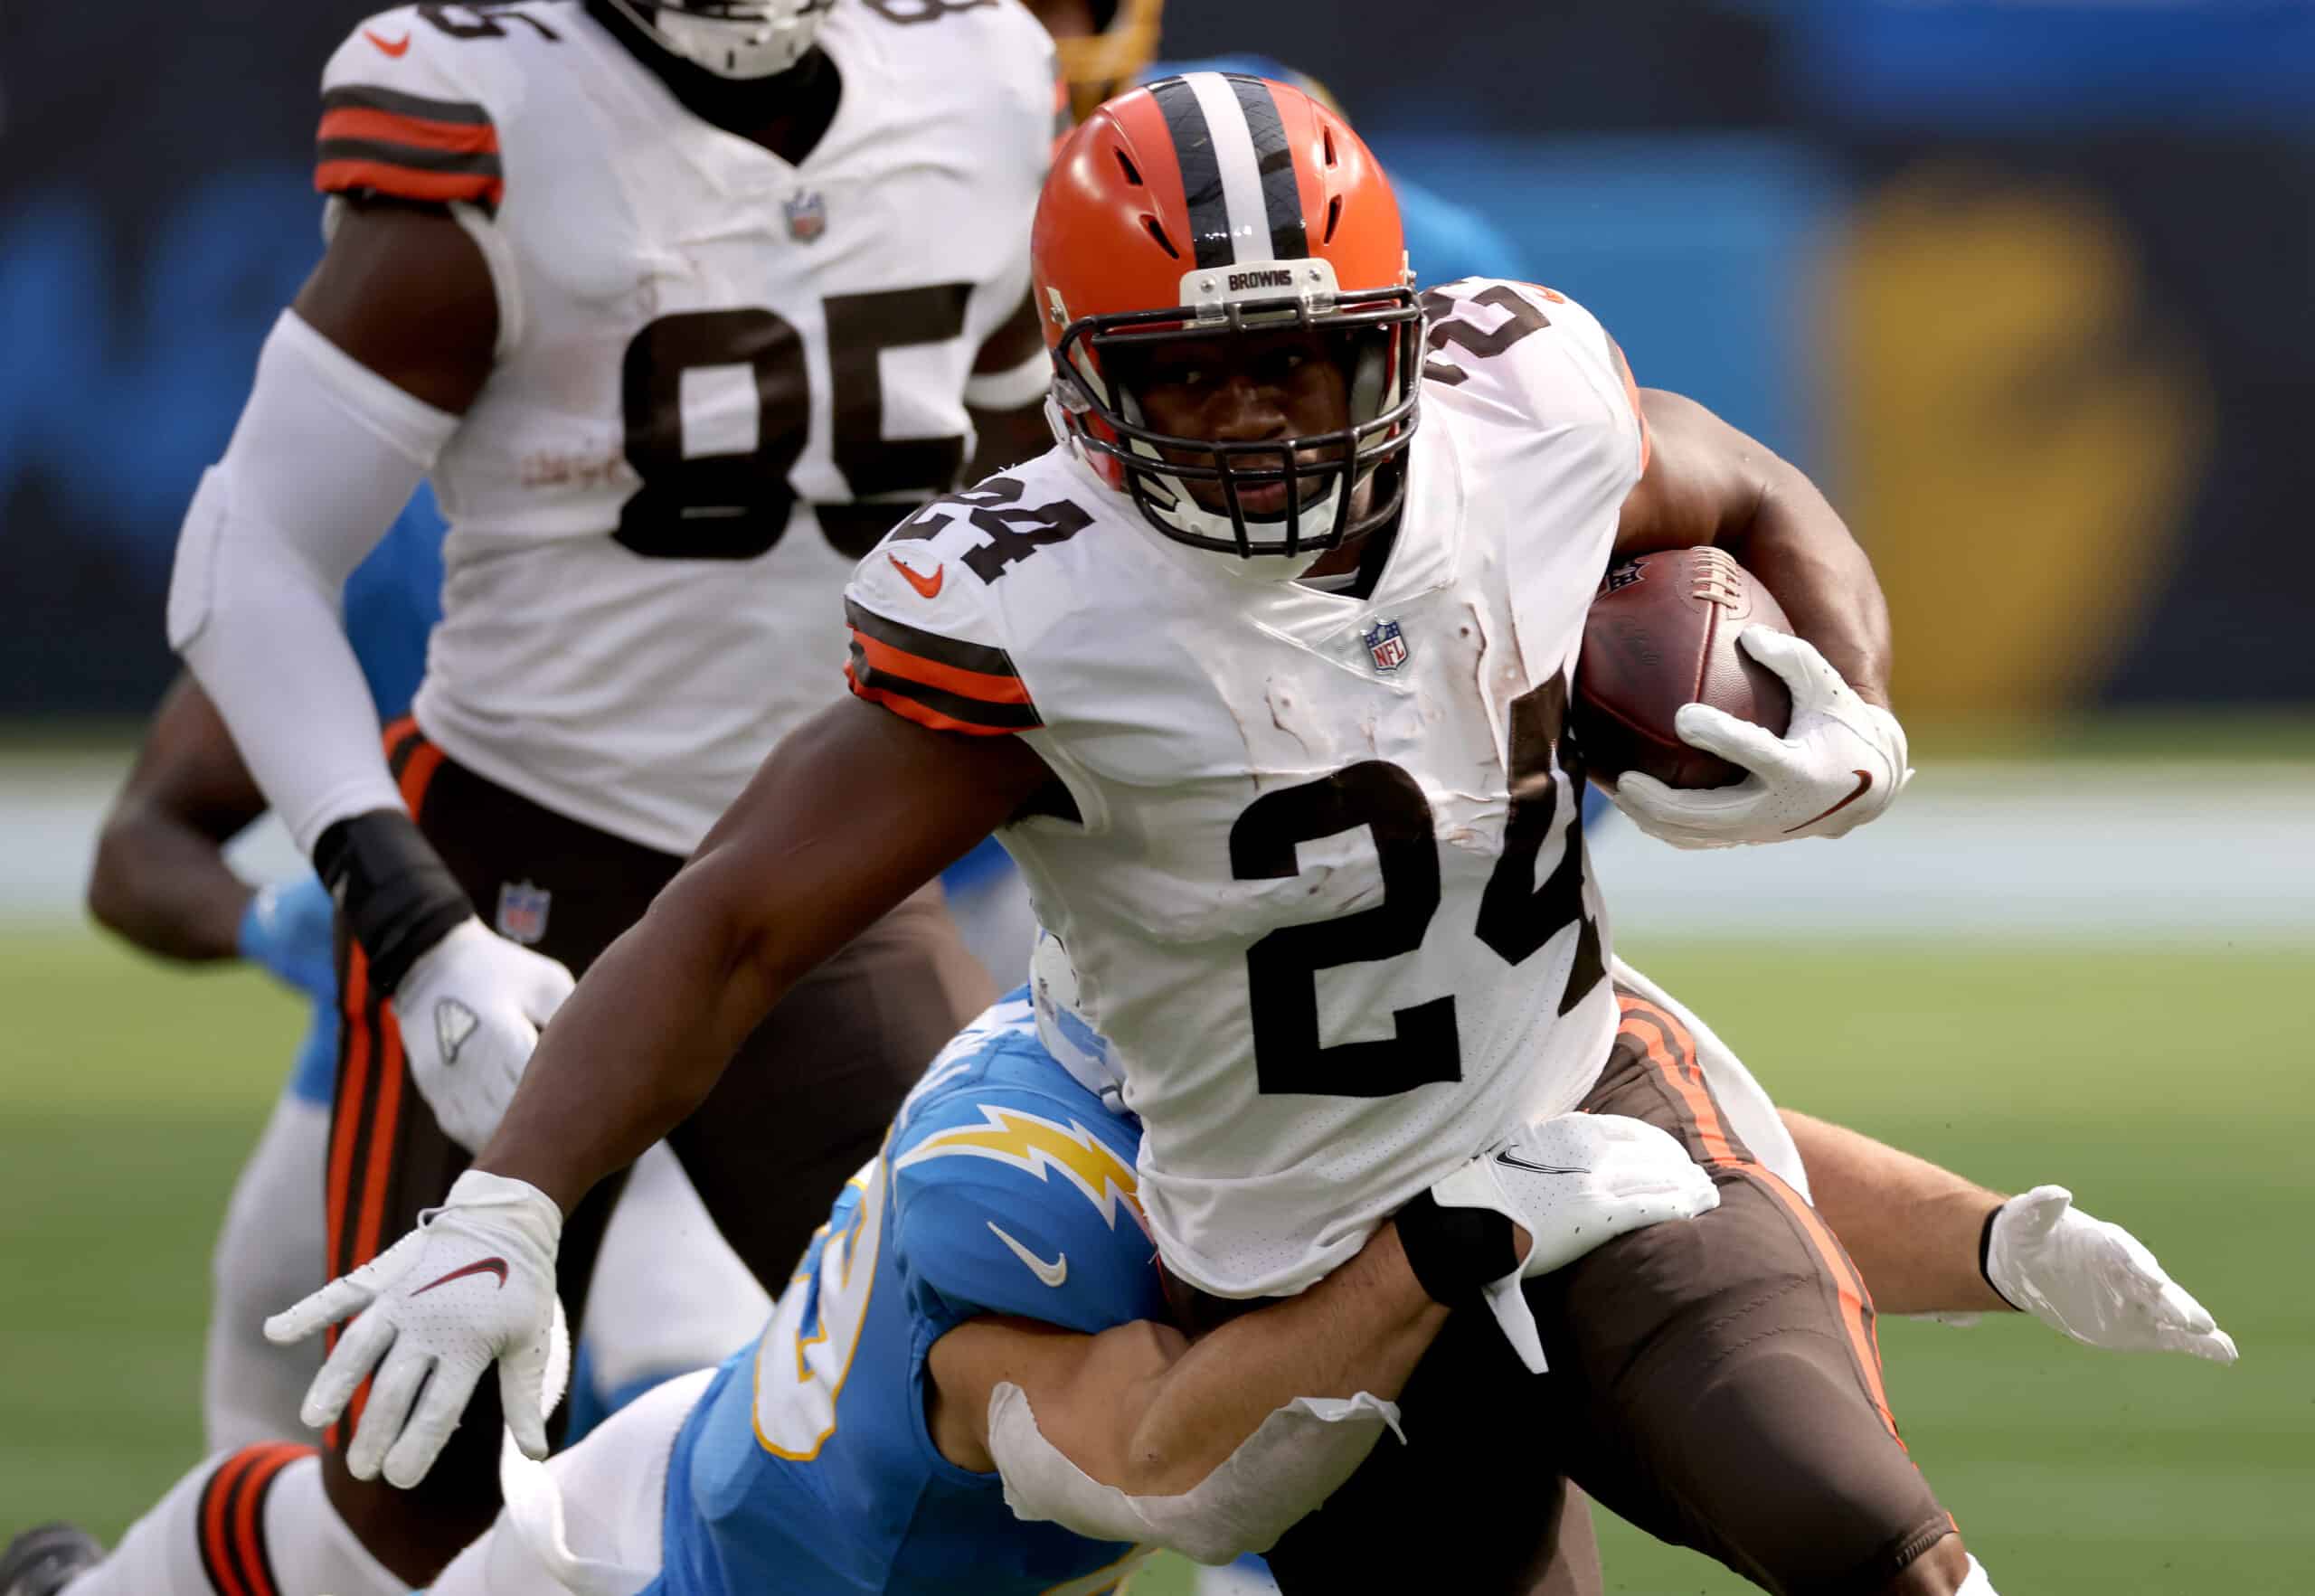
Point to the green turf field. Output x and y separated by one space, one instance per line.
2172 1091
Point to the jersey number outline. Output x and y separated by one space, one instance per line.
1522 318
804 1358
1516 916
736 506
487 24
1016 531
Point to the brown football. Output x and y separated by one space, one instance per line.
1662 633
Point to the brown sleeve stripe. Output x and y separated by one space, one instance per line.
936 707
978 658
408 147
392 101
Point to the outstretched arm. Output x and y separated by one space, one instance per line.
1929 1241
855 810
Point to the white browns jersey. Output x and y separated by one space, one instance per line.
720 377
1325 893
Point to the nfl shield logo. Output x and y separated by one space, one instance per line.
522 912
808 216
1386 646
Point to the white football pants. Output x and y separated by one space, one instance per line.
586 1521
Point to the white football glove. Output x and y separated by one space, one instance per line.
1840 762
2094 1281
470 1010
1574 1182
474 1283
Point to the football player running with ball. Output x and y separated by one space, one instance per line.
1262 672
680 304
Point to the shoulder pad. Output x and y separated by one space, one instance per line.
1009 1201
928 636
1533 353
406 107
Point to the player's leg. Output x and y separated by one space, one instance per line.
247 1522
1719 1383
269 1254
669 1295
586 1519
808 1099
388 1159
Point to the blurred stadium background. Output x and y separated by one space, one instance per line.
2026 285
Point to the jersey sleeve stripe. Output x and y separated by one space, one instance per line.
357 122
888 661
919 704
954 708
394 102
384 141
979 659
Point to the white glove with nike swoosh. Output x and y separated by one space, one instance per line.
1840 763
471 1008
2094 1281
473 1284
1572 1182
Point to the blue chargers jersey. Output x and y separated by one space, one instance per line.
1004 1187
393 601
1446 239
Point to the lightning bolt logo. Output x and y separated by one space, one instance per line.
1041 1147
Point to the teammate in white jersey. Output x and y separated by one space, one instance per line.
680 304
1262 672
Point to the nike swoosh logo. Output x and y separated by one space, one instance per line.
489 1266
397 48
1864 786
926 588
1517 1161
1051 1274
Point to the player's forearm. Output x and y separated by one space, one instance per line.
637 1047
1362 1329
164 886
1798 544
1913 1228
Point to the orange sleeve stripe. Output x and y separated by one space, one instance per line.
991 689
423 132
418 775
922 714
408 183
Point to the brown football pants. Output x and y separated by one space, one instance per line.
1716 1381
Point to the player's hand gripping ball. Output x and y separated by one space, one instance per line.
1711 724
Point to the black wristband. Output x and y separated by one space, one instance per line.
398 897
1985 1257
1454 1251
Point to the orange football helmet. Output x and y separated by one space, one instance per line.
1219 206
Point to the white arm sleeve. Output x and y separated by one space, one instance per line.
326 453
1297 1457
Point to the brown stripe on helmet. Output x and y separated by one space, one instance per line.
1194 151
1290 240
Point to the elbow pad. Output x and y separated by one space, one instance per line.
1297 1457
326 455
